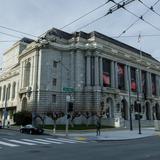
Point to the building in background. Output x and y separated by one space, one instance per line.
96 72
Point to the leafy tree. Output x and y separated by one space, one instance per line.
22 118
54 116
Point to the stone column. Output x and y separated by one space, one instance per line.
112 74
101 71
149 89
126 77
129 78
96 69
116 75
31 72
72 69
35 80
88 68
157 86
138 80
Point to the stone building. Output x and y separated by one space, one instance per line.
97 73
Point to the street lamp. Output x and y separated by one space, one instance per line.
138 102
67 98
130 106
5 113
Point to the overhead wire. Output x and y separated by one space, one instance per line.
10 35
82 16
150 8
110 11
124 31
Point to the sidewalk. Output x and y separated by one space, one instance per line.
113 134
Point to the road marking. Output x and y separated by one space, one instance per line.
60 140
8 144
71 140
21 142
48 141
35 141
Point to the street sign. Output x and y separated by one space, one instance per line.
68 89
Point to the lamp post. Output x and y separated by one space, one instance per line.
5 113
138 102
67 98
130 106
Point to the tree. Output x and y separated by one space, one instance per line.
54 116
73 116
22 118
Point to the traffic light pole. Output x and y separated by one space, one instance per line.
67 100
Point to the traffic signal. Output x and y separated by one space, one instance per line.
70 106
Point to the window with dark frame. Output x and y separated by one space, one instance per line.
53 98
54 82
54 64
106 73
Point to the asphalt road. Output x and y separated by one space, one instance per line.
41 147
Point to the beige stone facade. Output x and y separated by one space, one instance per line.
103 74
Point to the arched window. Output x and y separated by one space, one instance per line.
13 90
27 74
4 92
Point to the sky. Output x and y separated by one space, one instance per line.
36 17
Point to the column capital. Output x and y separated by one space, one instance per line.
88 53
96 53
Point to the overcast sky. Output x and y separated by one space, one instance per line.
37 16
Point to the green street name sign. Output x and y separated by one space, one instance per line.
68 89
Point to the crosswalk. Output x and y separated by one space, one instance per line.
36 141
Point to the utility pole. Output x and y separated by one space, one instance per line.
138 87
5 113
129 96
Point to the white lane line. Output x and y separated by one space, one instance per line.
48 141
71 140
59 140
21 142
8 144
34 141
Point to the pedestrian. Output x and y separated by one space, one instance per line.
98 127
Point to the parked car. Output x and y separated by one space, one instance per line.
30 129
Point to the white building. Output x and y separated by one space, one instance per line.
102 74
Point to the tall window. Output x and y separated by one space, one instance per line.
8 91
133 80
13 90
0 93
53 98
106 73
4 92
27 74
54 82
144 83
153 78
55 64
121 83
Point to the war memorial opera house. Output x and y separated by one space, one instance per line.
96 72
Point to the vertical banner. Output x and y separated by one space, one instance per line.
121 75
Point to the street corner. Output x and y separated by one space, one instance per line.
157 133
80 138
88 138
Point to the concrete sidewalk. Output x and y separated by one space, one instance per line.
113 135
110 134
